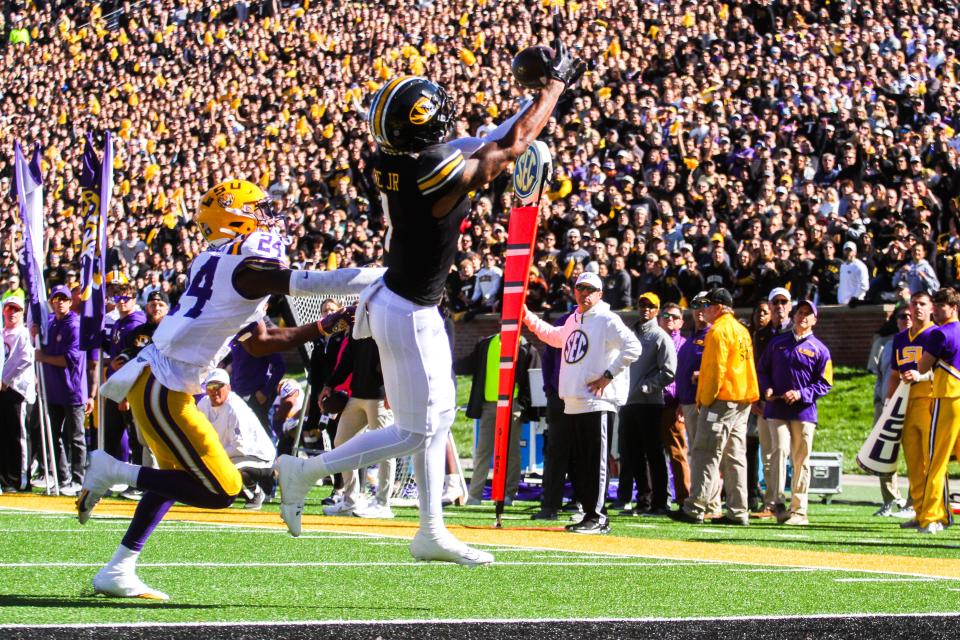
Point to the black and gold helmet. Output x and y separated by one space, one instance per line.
409 113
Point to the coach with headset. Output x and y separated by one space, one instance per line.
597 351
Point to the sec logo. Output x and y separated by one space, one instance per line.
576 347
526 172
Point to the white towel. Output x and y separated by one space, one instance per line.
361 320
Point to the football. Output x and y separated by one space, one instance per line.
530 66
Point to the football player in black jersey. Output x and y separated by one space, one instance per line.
423 184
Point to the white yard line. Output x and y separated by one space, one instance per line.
601 562
889 579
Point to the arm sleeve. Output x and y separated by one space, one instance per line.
553 336
439 169
932 281
822 381
627 343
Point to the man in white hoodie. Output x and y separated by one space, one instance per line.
597 351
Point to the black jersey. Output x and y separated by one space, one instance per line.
420 248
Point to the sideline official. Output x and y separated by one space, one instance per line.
727 386
597 349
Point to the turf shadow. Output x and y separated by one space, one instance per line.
834 543
92 602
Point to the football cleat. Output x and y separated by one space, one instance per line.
97 481
448 549
294 487
933 527
376 511
116 583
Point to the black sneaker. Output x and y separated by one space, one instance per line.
544 514
658 512
682 516
588 527
727 519
573 507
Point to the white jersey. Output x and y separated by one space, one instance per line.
285 389
195 336
239 429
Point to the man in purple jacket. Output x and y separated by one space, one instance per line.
255 379
117 419
794 372
67 397
688 371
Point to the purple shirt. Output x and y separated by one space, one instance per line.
670 391
688 362
65 385
803 365
944 343
249 374
121 328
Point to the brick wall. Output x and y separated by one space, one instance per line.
847 332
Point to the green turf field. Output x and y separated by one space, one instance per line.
251 573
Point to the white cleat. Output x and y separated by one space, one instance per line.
379 511
120 584
294 487
932 528
447 549
100 476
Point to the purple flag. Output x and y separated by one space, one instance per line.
28 185
96 185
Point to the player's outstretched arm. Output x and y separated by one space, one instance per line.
256 283
484 165
259 340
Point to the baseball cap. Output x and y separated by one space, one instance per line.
717 237
686 246
849 244
700 298
652 256
60 290
573 232
809 303
17 300
589 278
779 291
720 296
217 376
650 297
158 295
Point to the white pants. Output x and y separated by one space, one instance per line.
359 414
416 360
418 379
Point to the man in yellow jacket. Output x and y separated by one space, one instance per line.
726 387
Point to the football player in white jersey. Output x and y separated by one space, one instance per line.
229 284
424 184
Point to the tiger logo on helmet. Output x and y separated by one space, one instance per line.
410 113
235 208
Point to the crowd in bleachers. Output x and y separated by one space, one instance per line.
749 145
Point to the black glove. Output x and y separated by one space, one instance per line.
339 321
564 67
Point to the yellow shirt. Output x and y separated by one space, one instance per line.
727 371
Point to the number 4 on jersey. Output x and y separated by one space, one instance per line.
201 287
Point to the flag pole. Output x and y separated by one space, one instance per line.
46 431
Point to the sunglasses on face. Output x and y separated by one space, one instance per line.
214 386
902 316
670 316
585 288
699 305
780 302
122 298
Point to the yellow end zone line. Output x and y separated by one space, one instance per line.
535 539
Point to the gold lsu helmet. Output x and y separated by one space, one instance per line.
234 208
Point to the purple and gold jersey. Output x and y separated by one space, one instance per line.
908 348
944 343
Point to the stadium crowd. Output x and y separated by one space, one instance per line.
747 145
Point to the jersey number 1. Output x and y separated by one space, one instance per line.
201 287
